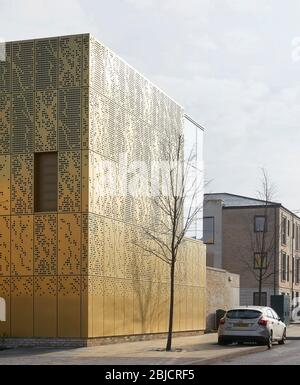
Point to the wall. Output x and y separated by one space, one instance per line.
73 273
43 104
130 120
222 292
214 208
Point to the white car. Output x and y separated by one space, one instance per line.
251 324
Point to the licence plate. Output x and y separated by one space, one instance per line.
241 325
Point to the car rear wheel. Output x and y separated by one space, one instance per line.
282 341
221 342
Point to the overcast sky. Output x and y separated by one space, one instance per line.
230 63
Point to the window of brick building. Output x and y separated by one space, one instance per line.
283 266
283 230
45 182
260 261
260 224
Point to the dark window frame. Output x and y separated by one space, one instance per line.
284 230
39 204
265 224
283 266
263 256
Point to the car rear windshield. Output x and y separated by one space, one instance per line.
243 314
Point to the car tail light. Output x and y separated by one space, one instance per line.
222 321
263 322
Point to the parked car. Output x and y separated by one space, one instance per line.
251 324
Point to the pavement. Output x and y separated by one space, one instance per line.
195 350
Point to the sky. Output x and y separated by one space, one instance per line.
233 64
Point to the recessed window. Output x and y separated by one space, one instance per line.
260 224
260 261
45 184
283 267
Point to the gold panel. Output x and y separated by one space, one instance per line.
45 306
85 244
4 246
69 244
5 294
69 186
5 121
69 308
86 307
22 245
96 245
22 184
119 307
4 185
109 307
183 307
22 307
45 244
85 116
129 307
109 251
22 127
86 60
142 299
163 308
46 63
197 308
154 305
98 306
189 310
176 319
70 61
22 66
46 121
85 181
120 244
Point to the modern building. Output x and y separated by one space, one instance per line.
233 227
69 268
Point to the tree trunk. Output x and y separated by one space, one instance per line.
171 313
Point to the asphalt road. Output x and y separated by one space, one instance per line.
289 354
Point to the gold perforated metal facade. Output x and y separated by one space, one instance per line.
75 273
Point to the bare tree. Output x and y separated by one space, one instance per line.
263 242
177 203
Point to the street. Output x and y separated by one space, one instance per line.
288 354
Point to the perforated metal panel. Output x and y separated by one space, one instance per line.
5 70
46 64
5 123
4 246
45 241
69 185
23 66
46 121
69 119
22 123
